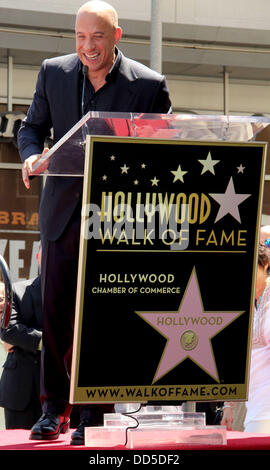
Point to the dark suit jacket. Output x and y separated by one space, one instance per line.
56 104
21 372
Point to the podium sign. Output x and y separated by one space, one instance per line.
167 270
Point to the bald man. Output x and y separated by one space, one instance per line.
114 83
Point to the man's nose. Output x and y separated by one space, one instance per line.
89 44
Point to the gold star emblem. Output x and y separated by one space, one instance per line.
179 174
154 181
124 168
208 164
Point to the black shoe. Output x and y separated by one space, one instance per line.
77 437
49 426
89 417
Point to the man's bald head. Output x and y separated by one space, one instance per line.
97 34
100 8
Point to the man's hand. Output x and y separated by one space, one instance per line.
227 418
9 348
27 168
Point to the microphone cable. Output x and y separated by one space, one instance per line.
84 127
129 415
85 73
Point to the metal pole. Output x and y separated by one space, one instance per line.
9 83
156 36
225 92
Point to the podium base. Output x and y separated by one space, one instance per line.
154 427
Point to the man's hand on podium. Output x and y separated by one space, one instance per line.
27 168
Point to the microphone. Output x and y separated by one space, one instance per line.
85 73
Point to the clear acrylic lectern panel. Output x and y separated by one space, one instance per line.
66 157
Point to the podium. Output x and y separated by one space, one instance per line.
167 267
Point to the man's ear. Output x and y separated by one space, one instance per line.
118 34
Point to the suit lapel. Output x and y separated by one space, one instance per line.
126 85
71 88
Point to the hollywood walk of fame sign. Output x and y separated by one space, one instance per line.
167 270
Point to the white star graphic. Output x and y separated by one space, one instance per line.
178 174
240 168
208 164
112 157
229 202
104 177
154 181
124 168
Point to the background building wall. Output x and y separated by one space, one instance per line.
200 39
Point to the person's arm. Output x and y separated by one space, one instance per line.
35 128
28 166
9 348
227 418
18 334
161 101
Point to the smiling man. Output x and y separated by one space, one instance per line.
97 34
113 83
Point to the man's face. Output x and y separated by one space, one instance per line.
96 38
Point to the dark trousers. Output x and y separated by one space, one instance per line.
24 419
59 278
59 282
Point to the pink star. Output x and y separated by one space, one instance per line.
189 331
229 202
